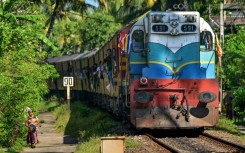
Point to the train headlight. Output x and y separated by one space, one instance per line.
191 18
143 81
143 97
206 97
157 19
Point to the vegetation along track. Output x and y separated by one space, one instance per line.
202 143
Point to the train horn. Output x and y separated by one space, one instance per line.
175 6
181 6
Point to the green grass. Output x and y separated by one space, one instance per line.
91 146
62 116
94 143
49 105
2 150
17 147
88 124
132 143
82 121
227 125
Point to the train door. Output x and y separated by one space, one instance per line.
137 54
137 60
138 39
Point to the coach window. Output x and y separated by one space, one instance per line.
138 40
206 40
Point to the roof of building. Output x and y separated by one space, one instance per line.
234 20
234 6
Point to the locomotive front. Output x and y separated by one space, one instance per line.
172 72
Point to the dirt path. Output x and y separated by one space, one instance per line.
50 140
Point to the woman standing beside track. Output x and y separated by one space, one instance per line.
31 123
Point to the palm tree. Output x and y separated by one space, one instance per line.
62 8
53 16
103 3
126 10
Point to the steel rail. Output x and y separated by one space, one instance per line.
242 148
171 149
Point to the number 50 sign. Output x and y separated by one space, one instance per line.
68 81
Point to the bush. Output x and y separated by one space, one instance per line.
238 101
227 125
17 147
50 104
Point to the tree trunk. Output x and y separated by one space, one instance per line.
51 24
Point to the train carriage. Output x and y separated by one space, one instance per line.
163 72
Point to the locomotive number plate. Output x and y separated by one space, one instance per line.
188 28
160 28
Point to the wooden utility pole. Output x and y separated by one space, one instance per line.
222 45
209 12
221 24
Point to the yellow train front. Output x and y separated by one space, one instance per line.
157 72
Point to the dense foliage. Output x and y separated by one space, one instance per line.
239 105
233 67
96 29
23 72
127 10
66 37
85 33
234 59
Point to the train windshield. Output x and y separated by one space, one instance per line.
206 40
138 41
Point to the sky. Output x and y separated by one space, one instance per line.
92 2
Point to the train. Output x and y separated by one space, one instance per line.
157 72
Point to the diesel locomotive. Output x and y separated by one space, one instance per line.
157 72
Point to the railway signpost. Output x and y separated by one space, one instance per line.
68 82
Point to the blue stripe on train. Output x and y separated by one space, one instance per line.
158 71
163 62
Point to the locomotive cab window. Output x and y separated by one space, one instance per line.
206 40
138 41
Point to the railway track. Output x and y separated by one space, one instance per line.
228 143
166 146
202 143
